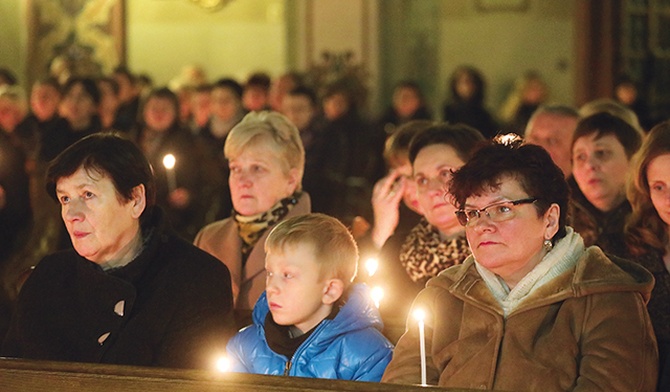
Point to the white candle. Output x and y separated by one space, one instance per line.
419 315
377 295
169 162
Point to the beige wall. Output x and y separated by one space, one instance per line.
13 37
503 44
243 37
249 35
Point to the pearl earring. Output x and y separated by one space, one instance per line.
548 245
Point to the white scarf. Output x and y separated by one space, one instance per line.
561 258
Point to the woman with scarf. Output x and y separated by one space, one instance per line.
532 309
266 159
409 260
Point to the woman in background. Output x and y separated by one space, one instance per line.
647 230
267 161
466 105
409 259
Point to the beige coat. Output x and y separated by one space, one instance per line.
586 330
221 239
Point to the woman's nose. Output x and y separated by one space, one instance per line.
72 211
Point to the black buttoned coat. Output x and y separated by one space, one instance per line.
170 307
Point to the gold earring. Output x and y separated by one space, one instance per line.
548 245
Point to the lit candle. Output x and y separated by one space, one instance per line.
222 364
371 266
169 161
377 295
420 315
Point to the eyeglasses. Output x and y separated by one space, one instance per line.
497 212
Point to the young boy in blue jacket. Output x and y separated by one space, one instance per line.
311 321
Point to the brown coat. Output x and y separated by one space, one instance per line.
222 240
588 329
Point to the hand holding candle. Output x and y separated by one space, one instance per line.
420 315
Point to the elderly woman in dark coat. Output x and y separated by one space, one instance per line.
130 292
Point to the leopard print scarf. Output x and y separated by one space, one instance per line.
251 228
424 254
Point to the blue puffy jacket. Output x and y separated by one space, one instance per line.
348 347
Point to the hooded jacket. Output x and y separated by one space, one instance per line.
348 347
587 329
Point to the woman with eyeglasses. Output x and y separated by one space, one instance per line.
532 309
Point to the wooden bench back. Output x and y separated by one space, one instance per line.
29 376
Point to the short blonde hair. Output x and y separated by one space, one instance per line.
334 247
273 130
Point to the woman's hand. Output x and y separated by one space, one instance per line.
386 196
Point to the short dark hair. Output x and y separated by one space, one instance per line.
111 155
258 79
89 85
461 137
529 164
306 92
230 84
603 124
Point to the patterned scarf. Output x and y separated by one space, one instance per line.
424 254
251 228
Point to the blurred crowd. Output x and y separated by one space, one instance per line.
368 171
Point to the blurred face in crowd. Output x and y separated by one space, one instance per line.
78 107
335 106
44 100
159 113
10 114
201 105
299 110
599 166
658 179
432 169
127 89
465 86
101 224
406 101
225 104
254 98
109 100
626 93
259 178
553 132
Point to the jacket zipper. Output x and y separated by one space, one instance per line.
287 368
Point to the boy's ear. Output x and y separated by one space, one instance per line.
332 291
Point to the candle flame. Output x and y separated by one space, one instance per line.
371 266
377 294
419 314
222 364
169 161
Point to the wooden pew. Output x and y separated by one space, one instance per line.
28 376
